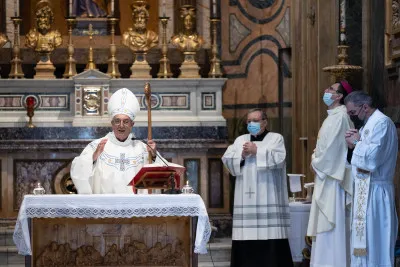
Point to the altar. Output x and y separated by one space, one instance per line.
118 230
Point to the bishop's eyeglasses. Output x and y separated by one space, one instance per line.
125 122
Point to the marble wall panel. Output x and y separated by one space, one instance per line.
193 173
16 102
216 185
27 173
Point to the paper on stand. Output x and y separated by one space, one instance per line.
295 182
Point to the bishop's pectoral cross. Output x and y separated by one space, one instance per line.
122 161
249 192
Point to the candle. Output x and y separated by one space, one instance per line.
15 9
214 8
342 31
70 8
112 8
163 8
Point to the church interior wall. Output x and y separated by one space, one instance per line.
252 37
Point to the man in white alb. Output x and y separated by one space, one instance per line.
108 164
261 215
374 217
329 222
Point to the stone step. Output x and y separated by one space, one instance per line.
211 264
6 236
218 251
9 256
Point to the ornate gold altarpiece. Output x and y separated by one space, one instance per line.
112 230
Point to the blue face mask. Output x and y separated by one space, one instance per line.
327 99
253 127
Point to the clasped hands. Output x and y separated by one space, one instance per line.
152 148
351 136
249 148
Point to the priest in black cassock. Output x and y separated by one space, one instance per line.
261 216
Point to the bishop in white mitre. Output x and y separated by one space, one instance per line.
374 217
107 165
329 221
261 217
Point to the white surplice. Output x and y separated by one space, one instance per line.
376 152
113 170
332 193
261 209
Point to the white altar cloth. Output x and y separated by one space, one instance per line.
299 214
111 206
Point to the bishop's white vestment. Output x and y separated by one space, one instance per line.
330 207
114 168
374 224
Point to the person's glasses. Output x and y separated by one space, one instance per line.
125 122
333 90
248 121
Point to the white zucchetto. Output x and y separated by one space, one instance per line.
123 101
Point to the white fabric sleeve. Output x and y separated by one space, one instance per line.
82 170
232 158
370 155
271 155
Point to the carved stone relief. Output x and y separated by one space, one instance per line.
116 243
396 15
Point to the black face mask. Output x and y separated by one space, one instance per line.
358 123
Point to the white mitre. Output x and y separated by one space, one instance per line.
123 101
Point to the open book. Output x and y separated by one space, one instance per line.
158 176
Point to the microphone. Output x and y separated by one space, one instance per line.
157 155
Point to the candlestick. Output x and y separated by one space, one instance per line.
15 9
215 70
16 67
70 66
30 103
165 70
113 69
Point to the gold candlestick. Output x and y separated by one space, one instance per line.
70 66
165 70
16 67
90 65
215 70
113 70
